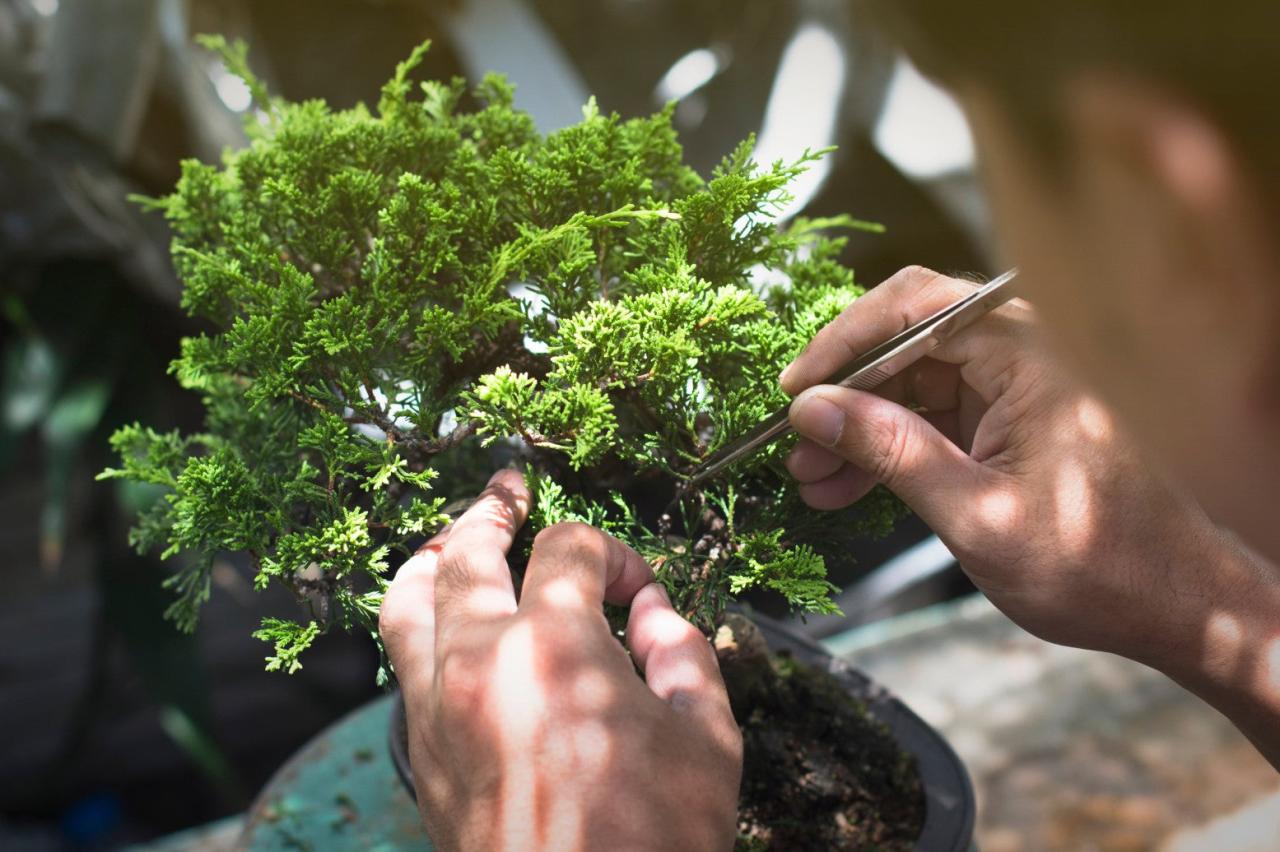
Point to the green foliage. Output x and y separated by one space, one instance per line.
389 293
797 573
289 639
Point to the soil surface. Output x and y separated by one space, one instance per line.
819 771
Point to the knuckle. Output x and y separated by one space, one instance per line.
931 286
834 336
572 536
912 278
680 640
460 681
456 568
399 614
684 634
916 272
391 617
887 450
561 650
733 740
570 531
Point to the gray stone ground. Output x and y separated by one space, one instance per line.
1069 749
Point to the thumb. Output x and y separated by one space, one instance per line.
896 446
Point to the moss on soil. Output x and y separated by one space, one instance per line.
819 771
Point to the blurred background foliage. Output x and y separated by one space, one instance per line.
118 727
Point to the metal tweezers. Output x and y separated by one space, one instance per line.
873 368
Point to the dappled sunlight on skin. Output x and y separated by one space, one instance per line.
1076 491
516 703
516 691
1002 511
1235 664
673 673
588 751
529 728
667 628
676 682
1224 643
508 513
563 593
1075 509
497 514
591 691
490 597
575 741
1095 421
1052 511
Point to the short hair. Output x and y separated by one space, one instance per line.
1222 57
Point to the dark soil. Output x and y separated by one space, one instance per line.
819 772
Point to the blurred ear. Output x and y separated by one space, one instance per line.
1186 217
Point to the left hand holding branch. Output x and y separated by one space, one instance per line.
528 726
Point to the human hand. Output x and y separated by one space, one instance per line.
1025 477
528 726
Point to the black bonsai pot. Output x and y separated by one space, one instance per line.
949 799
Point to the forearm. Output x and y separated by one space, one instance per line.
1219 635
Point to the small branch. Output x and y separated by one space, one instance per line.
453 439
383 421
600 270
427 447
303 398
369 392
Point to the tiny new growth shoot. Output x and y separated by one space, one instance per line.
399 300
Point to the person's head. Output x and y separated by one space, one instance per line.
1131 154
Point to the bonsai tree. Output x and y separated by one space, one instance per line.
400 299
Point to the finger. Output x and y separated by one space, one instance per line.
577 567
897 447
407 618
679 663
843 488
908 297
473 580
932 385
809 462
991 352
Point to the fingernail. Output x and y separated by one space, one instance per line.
818 419
786 371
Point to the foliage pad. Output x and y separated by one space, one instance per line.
400 300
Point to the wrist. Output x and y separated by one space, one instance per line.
1217 633
1218 606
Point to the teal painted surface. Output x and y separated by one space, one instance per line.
340 792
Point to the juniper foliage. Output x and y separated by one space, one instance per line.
397 299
